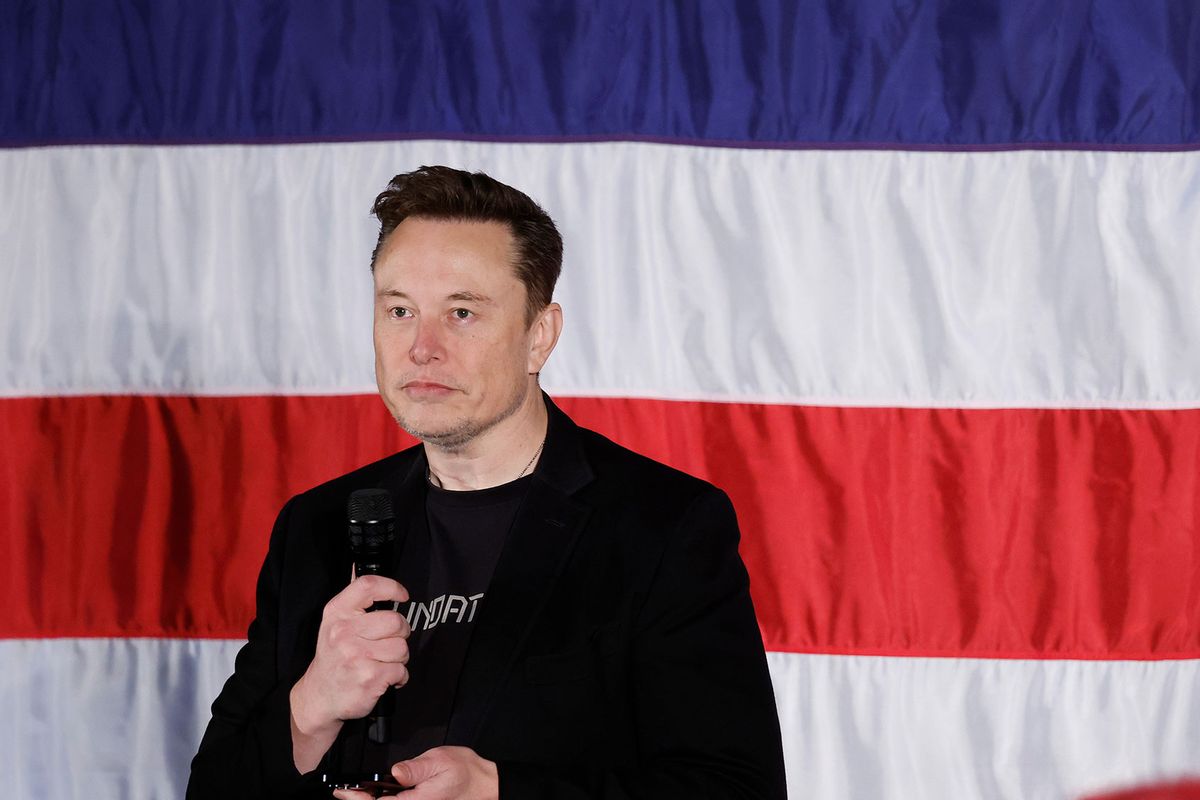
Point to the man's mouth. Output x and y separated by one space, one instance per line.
428 389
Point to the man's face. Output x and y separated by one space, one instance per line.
453 355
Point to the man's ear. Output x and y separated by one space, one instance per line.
543 336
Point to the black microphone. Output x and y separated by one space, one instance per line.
373 547
372 530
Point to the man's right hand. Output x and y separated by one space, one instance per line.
359 655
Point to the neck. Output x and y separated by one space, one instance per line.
496 456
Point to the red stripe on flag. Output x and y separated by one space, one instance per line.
1174 790
988 533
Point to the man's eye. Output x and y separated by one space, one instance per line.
462 313
398 312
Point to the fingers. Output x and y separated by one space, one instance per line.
448 773
349 642
358 655
432 762
382 625
351 794
368 678
372 678
363 591
390 651
416 770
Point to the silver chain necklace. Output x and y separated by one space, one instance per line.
536 453
435 481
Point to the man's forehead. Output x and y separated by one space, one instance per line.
451 235
447 257
478 282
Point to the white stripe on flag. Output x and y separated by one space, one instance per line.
1040 278
105 718
870 727
121 718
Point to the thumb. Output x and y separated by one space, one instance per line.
414 771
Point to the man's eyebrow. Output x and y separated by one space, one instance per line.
470 297
461 297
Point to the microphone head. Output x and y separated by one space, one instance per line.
372 530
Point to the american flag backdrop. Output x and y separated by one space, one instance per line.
916 283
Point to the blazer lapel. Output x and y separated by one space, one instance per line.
541 539
331 559
408 492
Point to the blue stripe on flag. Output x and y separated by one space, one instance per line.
874 73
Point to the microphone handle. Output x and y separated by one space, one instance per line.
379 720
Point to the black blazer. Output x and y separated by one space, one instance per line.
616 654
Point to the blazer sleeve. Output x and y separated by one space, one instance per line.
707 725
247 748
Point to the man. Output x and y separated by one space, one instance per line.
574 619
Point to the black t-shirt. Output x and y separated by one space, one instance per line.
465 534
446 563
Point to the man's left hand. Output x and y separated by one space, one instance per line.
443 773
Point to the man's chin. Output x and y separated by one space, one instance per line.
446 427
448 435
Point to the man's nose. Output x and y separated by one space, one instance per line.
427 345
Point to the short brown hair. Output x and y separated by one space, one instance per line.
452 194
